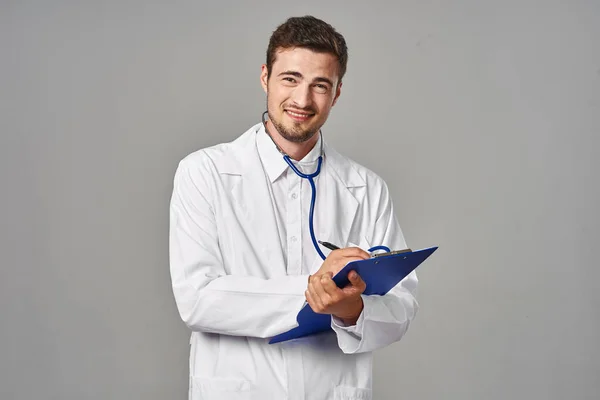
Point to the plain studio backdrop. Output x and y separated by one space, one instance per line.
482 116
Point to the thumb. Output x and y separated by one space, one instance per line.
354 278
357 281
357 285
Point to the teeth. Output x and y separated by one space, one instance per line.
297 115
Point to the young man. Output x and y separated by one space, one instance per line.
243 262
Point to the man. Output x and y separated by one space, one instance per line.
243 263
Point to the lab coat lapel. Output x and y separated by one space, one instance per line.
251 196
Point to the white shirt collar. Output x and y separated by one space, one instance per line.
273 160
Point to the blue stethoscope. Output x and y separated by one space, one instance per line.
311 180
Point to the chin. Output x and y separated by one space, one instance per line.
297 138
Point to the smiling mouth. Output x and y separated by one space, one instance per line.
299 116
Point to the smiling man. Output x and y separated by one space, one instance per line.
243 250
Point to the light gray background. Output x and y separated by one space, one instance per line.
482 116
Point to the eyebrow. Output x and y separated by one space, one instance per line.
299 75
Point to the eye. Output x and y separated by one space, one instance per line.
320 88
289 79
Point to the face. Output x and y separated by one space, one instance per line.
301 90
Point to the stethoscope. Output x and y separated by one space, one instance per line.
311 180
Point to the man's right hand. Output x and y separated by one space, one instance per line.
324 297
337 259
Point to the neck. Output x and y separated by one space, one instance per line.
296 151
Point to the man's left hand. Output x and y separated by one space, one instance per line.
324 297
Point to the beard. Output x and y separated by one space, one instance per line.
296 134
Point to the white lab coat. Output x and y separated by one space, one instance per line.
232 290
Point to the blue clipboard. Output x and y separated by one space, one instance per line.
380 274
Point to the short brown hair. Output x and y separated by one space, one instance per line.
310 33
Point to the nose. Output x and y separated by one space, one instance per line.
302 96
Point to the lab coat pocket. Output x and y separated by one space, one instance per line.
351 393
221 389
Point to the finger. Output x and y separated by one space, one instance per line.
354 252
340 263
354 278
343 261
357 285
348 260
357 281
330 287
335 253
313 294
314 303
311 301
320 291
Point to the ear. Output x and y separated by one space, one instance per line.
338 91
264 79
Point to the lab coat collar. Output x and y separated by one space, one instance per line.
342 168
240 160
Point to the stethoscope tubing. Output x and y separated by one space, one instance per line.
313 197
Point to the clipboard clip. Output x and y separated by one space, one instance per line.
391 253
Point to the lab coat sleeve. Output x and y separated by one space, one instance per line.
208 299
384 319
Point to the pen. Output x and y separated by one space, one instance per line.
329 245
